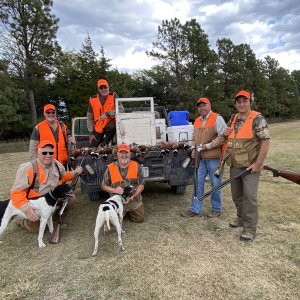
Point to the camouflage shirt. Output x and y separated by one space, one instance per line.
260 126
123 172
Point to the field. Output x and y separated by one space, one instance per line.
166 257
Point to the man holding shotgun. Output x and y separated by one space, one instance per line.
208 138
37 178
247 147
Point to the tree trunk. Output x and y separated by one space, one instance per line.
32 107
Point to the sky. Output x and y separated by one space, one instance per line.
127 28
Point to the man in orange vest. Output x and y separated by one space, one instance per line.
247 147
125 172
208 136
37 178
52 130
101 112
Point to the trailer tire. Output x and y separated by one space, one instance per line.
178 189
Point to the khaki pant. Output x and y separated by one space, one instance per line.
137 215
34 227
244 195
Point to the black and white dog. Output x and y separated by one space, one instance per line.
112 211
45 207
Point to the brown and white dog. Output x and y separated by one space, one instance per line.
45 207
111 211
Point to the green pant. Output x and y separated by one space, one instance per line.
244 195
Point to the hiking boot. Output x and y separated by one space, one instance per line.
235 224
214 214
189 214
247 236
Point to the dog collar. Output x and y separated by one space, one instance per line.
50 194
122 199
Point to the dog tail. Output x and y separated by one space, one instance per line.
107 219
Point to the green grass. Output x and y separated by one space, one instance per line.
166 257
13 146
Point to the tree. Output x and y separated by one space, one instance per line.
12 121
29 44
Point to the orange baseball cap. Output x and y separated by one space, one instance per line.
102 82
203 100
48 107
45 143
243 94
123 147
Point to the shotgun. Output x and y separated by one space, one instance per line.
55 237
224 183
291 176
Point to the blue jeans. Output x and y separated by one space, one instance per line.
207 167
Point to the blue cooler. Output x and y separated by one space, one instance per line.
178 118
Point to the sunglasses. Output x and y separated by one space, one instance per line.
47 152
104 87
50 112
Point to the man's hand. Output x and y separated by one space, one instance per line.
128 200
256 167
71 140
103 117
91 138
78 170
30 214
227 131
118 190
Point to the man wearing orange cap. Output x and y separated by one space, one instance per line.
122 173
247 147
37 178
53 130
208 136
101 115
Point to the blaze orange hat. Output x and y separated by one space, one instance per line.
123 147
203 100
243 94
102 82
48 107
45 143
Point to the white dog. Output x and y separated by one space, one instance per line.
45 207
112 211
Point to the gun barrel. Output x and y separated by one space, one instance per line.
224 183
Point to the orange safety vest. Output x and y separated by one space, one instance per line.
99 109
210 122
115 175
36 176
245 132
243 146
60 151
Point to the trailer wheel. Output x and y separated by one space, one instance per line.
178 189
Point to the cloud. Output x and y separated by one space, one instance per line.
126 28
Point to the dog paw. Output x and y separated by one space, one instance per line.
94 253
122 248
42 245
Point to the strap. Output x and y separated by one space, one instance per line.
64 132
59 174
35 176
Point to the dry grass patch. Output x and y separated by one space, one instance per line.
166 257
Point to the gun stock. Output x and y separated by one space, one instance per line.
291 176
